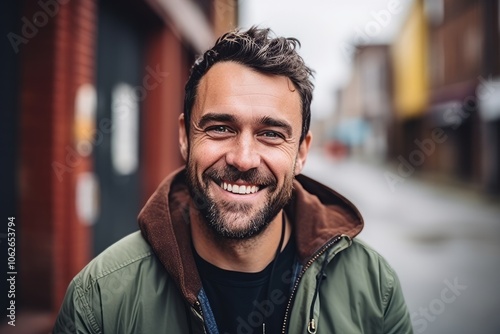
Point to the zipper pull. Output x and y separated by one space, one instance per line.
311 328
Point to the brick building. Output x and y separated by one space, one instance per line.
463 65
445 62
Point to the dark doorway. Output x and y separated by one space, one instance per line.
120 68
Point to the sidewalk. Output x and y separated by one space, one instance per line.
443 243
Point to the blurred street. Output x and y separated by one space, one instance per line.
442 242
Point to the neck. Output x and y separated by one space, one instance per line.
251 255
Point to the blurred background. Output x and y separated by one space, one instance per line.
406 120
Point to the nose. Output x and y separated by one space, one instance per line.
243 154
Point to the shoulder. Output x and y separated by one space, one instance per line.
372 277
129 251
111 286
365 268
362 278
104 282
128 267
367 257
118 269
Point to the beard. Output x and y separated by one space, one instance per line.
236 220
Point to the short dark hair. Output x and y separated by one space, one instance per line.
259 50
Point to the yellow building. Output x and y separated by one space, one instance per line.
410 80
409 54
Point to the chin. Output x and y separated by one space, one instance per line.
237 226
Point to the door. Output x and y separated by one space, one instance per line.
120 66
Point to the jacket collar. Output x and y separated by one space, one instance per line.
318 214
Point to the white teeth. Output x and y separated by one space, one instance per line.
236 189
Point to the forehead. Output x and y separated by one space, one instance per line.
229 87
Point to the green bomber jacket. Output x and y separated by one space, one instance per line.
148 282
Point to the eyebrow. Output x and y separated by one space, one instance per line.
215 118
269 121
266 120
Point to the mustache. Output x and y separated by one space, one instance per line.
232 174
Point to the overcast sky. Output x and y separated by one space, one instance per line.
326 30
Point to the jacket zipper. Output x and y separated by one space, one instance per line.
197 305
297 281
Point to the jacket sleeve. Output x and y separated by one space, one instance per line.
396 316
76 315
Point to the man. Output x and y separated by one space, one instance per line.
239 241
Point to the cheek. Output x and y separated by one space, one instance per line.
281 162
204 152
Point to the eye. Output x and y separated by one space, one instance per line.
272 137
219 131
219 128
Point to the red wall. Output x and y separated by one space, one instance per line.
57 60
164 104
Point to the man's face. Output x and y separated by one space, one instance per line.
243 148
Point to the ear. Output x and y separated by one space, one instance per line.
183 139
303 151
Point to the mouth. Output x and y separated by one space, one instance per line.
241 189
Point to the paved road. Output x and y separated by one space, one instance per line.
444 243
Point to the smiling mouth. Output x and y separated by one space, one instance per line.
239 188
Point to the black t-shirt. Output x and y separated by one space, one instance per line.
242 302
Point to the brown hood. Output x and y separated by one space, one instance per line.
318 214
